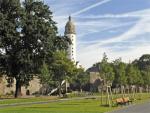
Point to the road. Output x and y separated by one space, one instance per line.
139 108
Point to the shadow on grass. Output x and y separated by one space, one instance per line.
40 107
105 105
71 104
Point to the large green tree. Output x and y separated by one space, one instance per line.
10 13
144 62
28 37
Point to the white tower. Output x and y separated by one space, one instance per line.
71 34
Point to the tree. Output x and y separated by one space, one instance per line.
139 80
107 74
131 74
120 75
9 37
106 70
146 77
144 62
81 78
46 75
28 37
62 67
143 65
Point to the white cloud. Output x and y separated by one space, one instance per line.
140 28
100 28
93 53
90 7
131 55
135 14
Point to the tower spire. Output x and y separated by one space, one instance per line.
69 18
70 26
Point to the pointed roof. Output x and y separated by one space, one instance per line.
70 27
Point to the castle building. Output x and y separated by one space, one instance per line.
71 34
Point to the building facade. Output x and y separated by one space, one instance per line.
95 79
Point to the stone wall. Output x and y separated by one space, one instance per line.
33 87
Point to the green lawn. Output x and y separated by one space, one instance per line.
75 106
23 100
71 106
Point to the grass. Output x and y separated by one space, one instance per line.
23 100
74 106
71 106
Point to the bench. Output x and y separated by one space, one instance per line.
119 101
127 100
123 101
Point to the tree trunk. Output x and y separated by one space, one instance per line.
81 89
59 89
66 86
18 89
102 97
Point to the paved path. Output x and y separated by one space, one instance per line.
45 102
139 108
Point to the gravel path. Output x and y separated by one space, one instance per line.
139 108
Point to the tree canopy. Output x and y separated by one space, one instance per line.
125 74
106 70
28 37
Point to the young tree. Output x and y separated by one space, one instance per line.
46 75
62 67
106 70
146 78
81 78
131 74
120 75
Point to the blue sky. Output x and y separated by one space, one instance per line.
121 28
